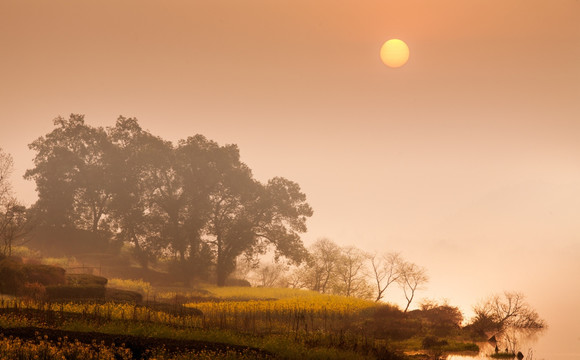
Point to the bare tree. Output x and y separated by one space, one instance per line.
6 166
351 273
412 278
14 222
320 271
270 275
14 225
509 310
386 269
295 277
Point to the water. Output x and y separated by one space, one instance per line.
544 345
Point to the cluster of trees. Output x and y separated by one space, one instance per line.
347 271
198 206
195 202
15 221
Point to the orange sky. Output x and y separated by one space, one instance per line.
466 155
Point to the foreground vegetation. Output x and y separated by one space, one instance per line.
222 323
48 309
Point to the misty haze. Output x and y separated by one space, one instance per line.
289 180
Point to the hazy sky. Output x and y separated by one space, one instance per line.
466 160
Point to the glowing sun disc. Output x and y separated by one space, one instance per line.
394 53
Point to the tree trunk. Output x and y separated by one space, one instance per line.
220 263
409 301
221 276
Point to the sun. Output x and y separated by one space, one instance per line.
394 53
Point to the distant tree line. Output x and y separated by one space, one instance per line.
194 203
347 271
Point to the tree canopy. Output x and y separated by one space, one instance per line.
194 202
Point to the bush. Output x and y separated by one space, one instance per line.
238 282
72 292
125 296
430 342
85 280
34 291
11 276
439 320
46 275
14 275
390 322
140 286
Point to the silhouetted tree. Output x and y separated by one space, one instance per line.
386 269
509 310
412 278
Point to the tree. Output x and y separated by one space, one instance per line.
72 174
197 171
386 269
508 311
351 274
6 167
270 275
320 269
193 203
14 222
14 225
247 217
137 159
160 199
412 278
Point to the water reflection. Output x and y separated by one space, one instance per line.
509 341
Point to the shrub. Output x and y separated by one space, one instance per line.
63 262
390 322
238 282
11 276
34 291
85 280
439 319
134 285
126 296
14 275
430 342
72 292
24 252
43 274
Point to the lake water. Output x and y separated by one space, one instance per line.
548 345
